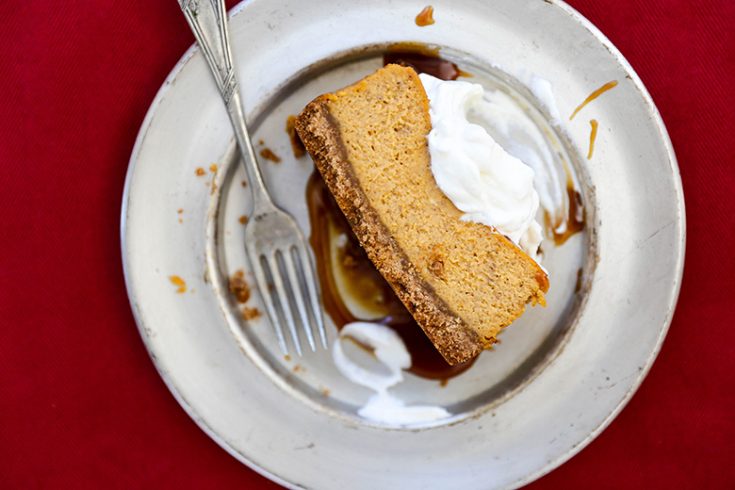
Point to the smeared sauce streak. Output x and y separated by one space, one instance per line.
575 216
425 17
423 59
213 186
346 259
593 136
297 147
578 283
593 96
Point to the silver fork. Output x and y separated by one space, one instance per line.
275 246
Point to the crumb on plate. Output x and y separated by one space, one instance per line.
425 17
239 287
179 283
250 313
269 154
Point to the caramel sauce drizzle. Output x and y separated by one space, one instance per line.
423 59
609 85
297 147
575 216
593 136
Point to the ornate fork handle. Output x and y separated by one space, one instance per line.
208 21
275 246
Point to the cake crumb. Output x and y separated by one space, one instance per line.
326 392
180 210
239 287
213 168
491 342
269 154
261 142
250 313
287 358
200 172
244 183
297 146
179 283
443 382
298 368
425 17
578 284
243 220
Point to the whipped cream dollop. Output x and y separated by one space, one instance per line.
391 352
515 131
482 179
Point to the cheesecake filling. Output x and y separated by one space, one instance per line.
483 180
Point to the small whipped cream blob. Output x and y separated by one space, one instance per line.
391 352
475 172
542 89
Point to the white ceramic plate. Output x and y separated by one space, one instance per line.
561 374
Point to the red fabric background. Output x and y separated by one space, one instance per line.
81 405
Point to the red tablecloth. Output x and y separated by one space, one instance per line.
81 405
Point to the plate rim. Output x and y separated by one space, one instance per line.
681 207
552 463
162 372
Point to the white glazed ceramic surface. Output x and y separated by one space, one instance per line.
560 375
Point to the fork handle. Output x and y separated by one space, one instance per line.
208 21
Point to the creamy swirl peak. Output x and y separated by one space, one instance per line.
482 180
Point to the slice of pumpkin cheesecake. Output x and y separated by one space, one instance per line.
463 281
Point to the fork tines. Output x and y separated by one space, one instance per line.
286 282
